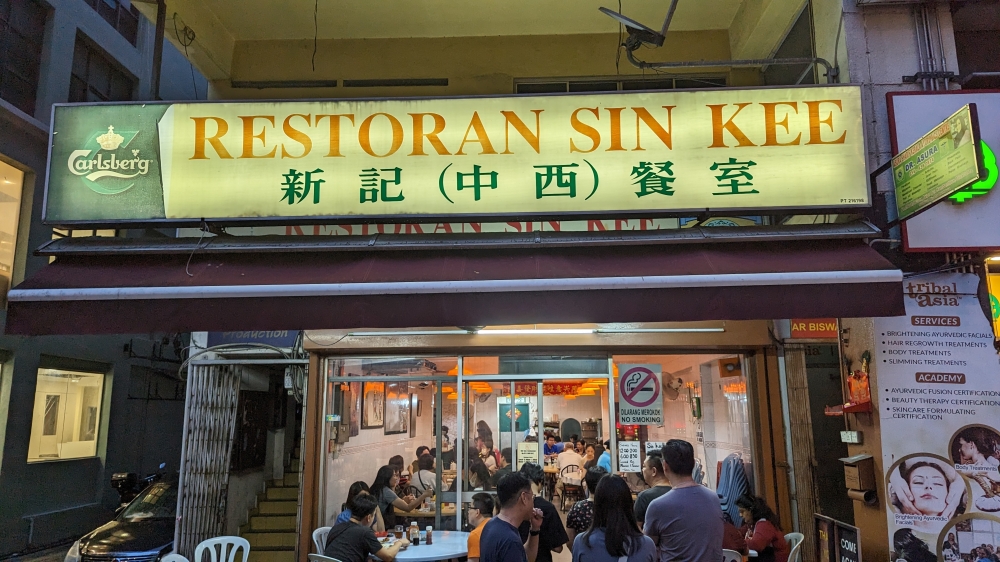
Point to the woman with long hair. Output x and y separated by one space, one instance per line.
764 530
581 515
358 488
382 489
591 454
614 533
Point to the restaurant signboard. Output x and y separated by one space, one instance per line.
307 162
938 164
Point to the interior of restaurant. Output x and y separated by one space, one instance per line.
380 407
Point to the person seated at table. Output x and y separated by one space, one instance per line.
355 490
424 478
732 538
488 455
590 455
403 485
581 447
552 447
604 461
354 540
613 535
581 514
479 513
477 478
421 451
571 460
382 489
553 532
764 531
506 458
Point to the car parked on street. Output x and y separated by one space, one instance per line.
143 531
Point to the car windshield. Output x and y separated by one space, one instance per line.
159 501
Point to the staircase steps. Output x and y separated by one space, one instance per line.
270 526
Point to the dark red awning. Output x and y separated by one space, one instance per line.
397 289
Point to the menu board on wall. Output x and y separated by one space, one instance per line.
939 386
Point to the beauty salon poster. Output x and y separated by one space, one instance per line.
939 403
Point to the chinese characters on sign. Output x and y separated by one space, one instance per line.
299 184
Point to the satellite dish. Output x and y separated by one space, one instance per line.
637 32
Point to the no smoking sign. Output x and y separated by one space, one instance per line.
640 400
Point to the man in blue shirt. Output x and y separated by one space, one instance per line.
552 449
604 461
500 541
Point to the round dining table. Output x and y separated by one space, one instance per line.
446 545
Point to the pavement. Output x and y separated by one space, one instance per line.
54 554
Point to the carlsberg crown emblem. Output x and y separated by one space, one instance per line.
110 140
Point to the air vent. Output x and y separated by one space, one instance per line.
395 82
262 84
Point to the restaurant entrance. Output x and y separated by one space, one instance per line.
480 416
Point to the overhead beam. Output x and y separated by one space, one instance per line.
761 25
211 51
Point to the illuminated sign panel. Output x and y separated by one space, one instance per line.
938 164
598 154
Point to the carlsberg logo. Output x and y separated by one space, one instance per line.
104 168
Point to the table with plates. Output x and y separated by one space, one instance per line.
445 546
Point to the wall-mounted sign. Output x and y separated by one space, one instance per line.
628 457
640 395
814 328
938 164
966 221
315 161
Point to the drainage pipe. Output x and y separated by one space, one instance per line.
831 71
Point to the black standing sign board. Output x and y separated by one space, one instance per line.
836 541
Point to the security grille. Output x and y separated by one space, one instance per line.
209 424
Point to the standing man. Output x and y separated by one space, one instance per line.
652 472
685 524
553 532
604 461
500 540
479 514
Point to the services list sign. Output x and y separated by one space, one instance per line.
939 385
641 153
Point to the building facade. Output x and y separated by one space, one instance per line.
803 381
74 409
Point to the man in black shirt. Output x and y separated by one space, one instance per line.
354 540
652 472
504 467
500 541
553 532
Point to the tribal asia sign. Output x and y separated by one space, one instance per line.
640 394
940 163
384 160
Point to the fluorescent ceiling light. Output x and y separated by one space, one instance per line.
658 330
548 332
411 333
995 258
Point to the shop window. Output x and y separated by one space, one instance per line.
618 84
11 183
67 415
123 16
22 27
97 77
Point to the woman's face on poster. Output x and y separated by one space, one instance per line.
930 490
967 448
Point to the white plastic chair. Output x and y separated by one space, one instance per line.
174 557
795 540
731 556
321 558
319 538
226 552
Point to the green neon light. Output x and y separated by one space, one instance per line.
983 186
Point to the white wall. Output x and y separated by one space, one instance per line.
362 456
